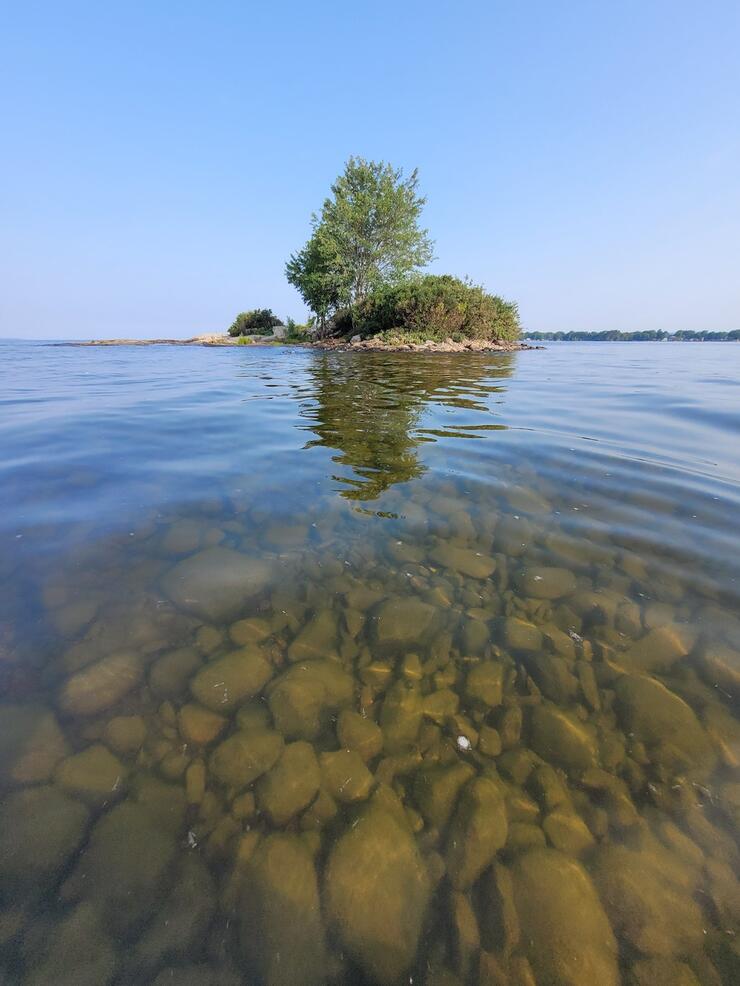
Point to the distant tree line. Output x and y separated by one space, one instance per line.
650 335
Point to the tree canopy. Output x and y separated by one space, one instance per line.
258 320
366 235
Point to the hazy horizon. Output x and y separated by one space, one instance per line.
161 164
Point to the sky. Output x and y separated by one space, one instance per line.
160 161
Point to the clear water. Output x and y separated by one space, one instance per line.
369 668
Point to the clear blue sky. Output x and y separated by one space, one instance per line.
161 160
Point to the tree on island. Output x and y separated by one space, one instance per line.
258 321
367 235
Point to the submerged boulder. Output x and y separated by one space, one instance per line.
647 893
663 721
477 832
215 584
466 561
225 683
244 757
401 717
291 784
565 932
403 622
99 686
305 697
123 866
542 582
659 649
561 739
93 775
182 921
317 639
281 932
31 744
77 952
436 790
40 830
376 893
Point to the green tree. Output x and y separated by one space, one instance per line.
258 320
318 276
367 235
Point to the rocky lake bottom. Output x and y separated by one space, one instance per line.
370 668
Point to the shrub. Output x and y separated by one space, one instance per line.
257 321
436 307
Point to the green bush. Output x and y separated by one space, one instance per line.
256 321
436 307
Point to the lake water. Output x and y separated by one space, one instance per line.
370 668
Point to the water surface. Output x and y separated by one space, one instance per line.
369 668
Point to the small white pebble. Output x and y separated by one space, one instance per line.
463 742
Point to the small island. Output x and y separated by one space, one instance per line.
360 276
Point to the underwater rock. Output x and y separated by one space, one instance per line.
181 922
317 639
182 538
200 726
500 929
31 744
553 677
565 932
281 932
94 775
216 583
122 868
720 667
659 649
77 952
400 717
560 738
566 831
647 894
658 717
291 785
440 705
244 757
252 630
345 777
519 635
198 975
304 698
466 561
357 732
485 683
376 892
125 735
40 830
465 934
402 622
661 972
170 674
436 790
509 724
230 680
541 582
477 832
99 686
